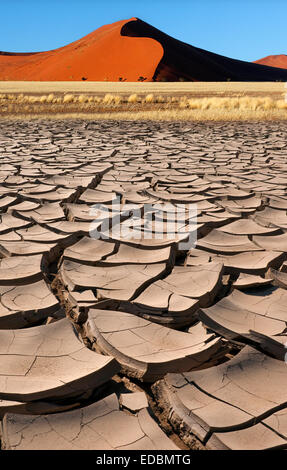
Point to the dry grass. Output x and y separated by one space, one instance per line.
133 98
68 98
230 104
149 98
110 99
150 106
162 115
183 102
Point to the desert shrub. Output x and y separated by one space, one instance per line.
160 99
108 98
133 98
69 98
149 98
281 104
117 99
32 99
50 98
268 103
192 104
183 102
83 99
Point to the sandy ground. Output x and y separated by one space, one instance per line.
172 88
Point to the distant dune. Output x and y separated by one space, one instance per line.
131 50
274 61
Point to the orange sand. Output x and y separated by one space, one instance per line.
101 55
274 61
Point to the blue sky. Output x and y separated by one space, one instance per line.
242 29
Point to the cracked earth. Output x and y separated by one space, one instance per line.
112 342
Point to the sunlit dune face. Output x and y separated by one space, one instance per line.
102 55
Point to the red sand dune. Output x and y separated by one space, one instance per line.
274 61
102 55
131 49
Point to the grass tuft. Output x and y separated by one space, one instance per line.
69 98
133 98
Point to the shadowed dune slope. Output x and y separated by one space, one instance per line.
131 50
279 60
183 61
